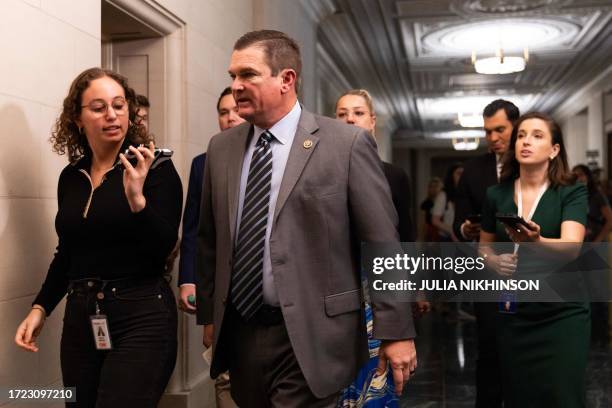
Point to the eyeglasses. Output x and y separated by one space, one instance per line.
100 108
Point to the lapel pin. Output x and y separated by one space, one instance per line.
307 144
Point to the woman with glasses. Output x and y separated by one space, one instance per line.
117 221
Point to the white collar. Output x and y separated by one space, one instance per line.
284 129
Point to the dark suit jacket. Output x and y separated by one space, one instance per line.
399 182
191 217
332 197
479 174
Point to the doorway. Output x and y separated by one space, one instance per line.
134 50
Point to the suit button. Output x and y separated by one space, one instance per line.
224 301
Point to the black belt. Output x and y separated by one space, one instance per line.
96 284
266 315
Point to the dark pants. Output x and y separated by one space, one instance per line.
263 367
488 368
142 321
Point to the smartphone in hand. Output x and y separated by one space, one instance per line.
159 156
512 220
474 218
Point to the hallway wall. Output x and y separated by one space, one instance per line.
44 45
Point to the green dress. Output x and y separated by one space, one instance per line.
543 346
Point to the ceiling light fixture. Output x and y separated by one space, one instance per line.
470 120
500 64
465 143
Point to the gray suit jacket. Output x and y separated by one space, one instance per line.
333 196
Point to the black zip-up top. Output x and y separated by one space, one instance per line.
100 237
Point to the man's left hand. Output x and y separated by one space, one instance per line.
401 354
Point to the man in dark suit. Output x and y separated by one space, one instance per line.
227 114
400 186
287 200
479 174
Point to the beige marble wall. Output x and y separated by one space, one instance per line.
44 44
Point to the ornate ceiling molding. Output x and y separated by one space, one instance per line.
486 36
504 8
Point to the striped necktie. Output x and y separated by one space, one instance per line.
247 276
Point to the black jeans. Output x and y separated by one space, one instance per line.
142 320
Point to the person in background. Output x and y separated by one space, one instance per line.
443 211
434 187
227 115
356 107
142 112
599 222
543 346
227 118
480 173
117 222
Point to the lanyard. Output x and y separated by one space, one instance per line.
519 204
519 199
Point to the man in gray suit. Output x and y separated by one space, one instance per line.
287 199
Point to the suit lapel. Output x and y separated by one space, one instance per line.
298 157
234 171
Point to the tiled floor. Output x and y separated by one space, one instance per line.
446 373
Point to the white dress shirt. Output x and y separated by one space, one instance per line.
283 132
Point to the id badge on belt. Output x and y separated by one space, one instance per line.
99 326
507 302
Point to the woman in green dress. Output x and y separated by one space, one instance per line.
543 346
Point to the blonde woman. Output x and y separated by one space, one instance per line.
355 107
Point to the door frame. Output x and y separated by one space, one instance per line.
172 30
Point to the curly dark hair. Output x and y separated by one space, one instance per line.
68 138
